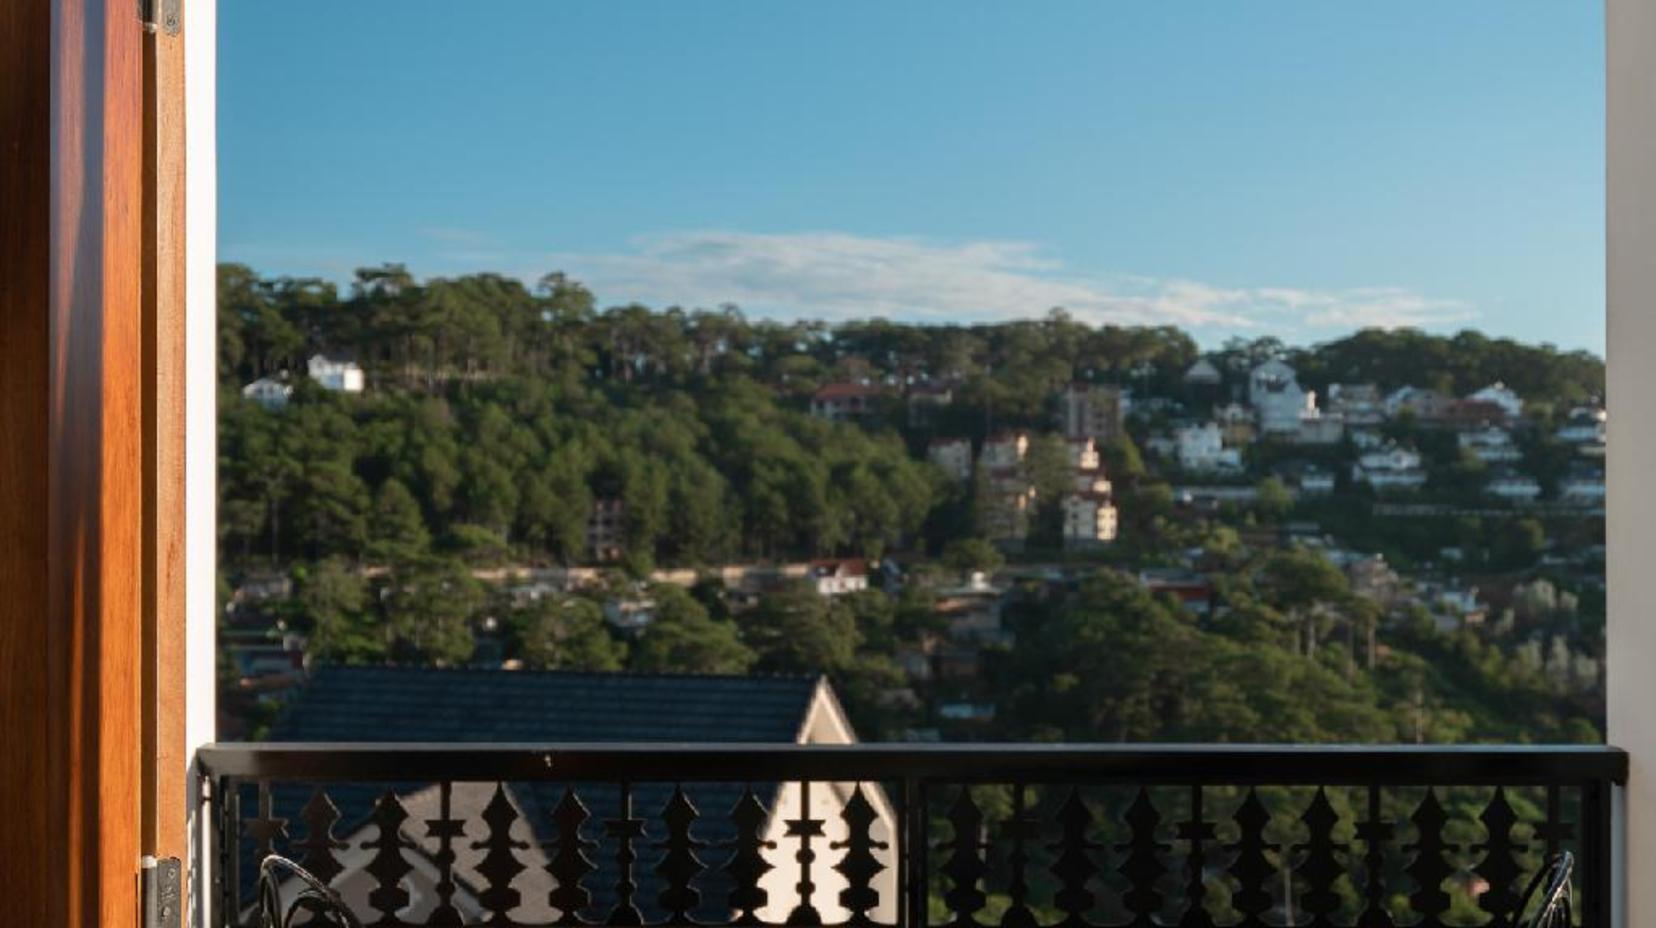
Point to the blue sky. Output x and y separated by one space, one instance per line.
1289 168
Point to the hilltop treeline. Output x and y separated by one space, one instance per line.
1456 365
496 413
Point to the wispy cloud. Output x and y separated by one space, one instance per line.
453 235
835 276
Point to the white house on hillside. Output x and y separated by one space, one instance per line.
838 402
1389 468
1423 403
1318 429
1515 487
1491 445
1366 439
1359 404
1501 395
1202 448
1585 425
1582 488
1277 398
338 376
1316 481
838 576
268 392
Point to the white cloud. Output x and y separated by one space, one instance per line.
1363 307
837 276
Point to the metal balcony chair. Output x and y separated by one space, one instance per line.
1549 891
319 905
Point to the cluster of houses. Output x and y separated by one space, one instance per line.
273 392
268 658
1009 496
1451 603
1090 417
1275 406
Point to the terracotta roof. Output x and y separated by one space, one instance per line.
837 391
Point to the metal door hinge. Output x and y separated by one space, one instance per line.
161 14
163 888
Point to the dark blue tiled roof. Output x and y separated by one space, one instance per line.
403 704
342 703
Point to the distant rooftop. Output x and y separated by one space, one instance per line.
834 391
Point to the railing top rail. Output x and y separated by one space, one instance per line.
1240 764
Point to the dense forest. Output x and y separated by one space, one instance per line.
496 413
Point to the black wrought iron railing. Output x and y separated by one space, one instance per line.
930 836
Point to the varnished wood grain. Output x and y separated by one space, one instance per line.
71 488
165 763
113 621
28 839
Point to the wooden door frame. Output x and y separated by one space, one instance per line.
92 620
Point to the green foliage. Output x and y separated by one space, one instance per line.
1115 664
1520 542
333 599
396 531
1299 578
1456 364
972 554
498 415
682 637
1273 501
1123 460
794 630
429 608
565 633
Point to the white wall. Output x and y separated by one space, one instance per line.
827 802
1631 506
201 364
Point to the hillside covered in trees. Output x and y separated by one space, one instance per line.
496 414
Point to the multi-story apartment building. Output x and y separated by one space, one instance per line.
1007 508
606 530
1090 520
953 455
1093 411
1004 451
1083 454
